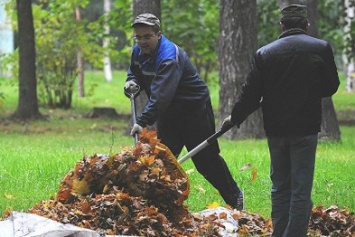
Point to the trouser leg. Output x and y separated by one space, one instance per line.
280 174
303 151
292 169
208 161
191 131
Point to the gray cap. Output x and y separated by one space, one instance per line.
294 10
147 19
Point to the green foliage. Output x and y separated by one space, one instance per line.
191 24
331 23
8 62
268 21
196 30
120 20
60 38
2 97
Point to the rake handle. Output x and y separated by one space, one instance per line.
205 143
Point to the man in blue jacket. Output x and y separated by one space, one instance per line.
179 101
288 79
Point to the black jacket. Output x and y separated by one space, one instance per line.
288 78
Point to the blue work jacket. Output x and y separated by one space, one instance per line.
169 79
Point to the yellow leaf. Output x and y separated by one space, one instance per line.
147 160
9 196
213 205
254 173
106 189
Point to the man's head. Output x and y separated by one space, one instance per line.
146 30
294 16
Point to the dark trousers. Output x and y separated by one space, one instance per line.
189 128
291 172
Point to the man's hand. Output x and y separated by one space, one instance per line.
131 88
227 123
136 129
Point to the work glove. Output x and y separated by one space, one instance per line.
227 123
131 88
136 129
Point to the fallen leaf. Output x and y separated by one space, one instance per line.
213 205
245 167
254 174
9 196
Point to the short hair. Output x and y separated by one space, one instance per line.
295 22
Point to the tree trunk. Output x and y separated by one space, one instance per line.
28 102
330 127
81 78
237 43
147 6
139 7
348 60
106 42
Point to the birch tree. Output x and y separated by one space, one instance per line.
106 42
348 55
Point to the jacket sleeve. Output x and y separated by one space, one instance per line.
250 97
163 89
330 81
133 73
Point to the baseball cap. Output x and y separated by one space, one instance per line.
147 19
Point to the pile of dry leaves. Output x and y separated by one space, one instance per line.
141 190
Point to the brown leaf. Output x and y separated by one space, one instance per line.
254 174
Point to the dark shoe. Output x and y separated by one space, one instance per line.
240 201
235 201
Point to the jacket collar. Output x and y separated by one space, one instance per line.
294 31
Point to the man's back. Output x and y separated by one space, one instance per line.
296 71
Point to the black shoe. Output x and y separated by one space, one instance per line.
240 202
235 201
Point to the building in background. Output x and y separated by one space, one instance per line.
6 36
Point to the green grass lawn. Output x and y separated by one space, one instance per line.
35 156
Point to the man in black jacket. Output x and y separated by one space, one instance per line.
288 79
179 101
